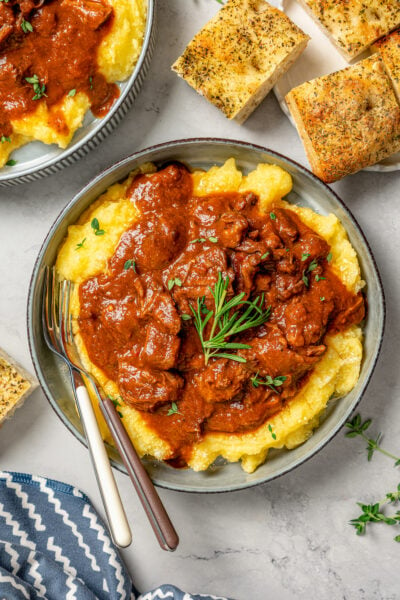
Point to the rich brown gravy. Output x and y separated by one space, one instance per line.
132 323
61 50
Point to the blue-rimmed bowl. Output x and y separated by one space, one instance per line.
36 160
308 190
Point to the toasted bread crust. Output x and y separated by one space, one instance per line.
353 25
347 120
389 49
15 385
237 57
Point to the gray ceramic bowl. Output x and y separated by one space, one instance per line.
307 190
36 160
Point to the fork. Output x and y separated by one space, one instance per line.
151 502
54 327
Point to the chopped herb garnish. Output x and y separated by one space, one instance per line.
213 240
81 244
264 256
5 138
322 298
95 225
130 264
11 162
329 257
26 26
227 320
273 435
174 281
313 265
173 410
304 256
71 93
115 400
40 90
305 280
198 241
318 277
116 403
185 317
273 216
271 382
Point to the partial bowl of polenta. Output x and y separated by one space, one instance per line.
225 299
70 69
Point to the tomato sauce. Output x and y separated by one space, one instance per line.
53 43
138 325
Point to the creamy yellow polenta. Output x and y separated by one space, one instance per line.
117 56
334 375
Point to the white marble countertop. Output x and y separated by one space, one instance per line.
286 539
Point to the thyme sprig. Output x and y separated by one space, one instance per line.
358 428
271 382
226 320
373 513
39 89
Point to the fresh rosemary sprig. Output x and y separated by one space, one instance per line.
357 427
226 323
372 513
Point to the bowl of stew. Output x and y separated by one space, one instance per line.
307 191
109 102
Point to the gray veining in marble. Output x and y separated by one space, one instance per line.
289 539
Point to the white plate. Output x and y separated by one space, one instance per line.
319 58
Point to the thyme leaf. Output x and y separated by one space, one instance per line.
173 410
95 225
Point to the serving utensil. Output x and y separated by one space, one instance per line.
54 317
155 510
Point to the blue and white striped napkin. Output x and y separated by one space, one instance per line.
53 545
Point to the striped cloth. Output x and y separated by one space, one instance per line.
53 545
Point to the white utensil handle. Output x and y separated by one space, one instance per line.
116 516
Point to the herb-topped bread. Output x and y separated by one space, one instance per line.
389 49
347 120
15 385
238 56
353 25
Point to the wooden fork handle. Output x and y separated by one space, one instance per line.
116 516
154 508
